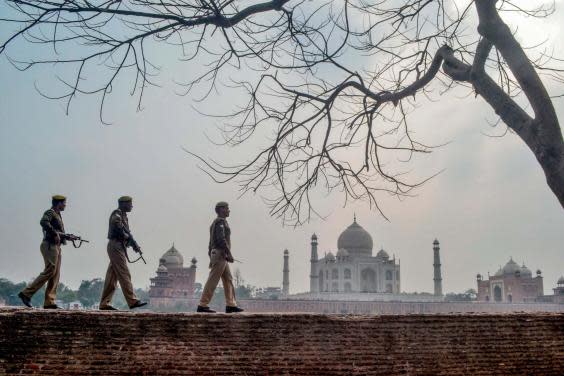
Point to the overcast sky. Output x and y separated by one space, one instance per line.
491 202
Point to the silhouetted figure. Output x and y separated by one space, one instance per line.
219 250
53 237
119 239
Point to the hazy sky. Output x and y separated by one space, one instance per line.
490 203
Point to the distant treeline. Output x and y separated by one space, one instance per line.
466 296
90 291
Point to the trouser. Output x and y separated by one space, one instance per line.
117 272
219 269
52 257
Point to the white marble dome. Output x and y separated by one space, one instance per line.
356 240
383 254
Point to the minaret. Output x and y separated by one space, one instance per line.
437 269
286 275
313 283
192 276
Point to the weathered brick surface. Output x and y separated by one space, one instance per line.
100 343
389 308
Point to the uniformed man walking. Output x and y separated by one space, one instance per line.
53 237
219 250
120 238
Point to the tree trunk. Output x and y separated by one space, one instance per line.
542 134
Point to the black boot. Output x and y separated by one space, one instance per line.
229 309
25 300
204 309
108 308
51 306
138 304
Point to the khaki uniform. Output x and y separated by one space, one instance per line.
219 246
52 224
118 235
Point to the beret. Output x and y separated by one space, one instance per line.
59 198
125 199
221 204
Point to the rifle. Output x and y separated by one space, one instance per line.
133 244
74 238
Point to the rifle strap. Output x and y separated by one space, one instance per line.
129 260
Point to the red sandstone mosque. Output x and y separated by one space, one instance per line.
516 284
174 283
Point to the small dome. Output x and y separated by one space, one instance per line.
560 281
436 242
286 252
342 253
194 261
314 237
330 257
356 240
526 271
382 254
162 269
172 258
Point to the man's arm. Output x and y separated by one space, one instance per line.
220 239
46 225
121 231
133 244
118 227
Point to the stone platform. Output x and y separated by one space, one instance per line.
34 341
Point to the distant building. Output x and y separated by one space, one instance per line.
268 293
558 296
354 274
174 283
74 305
510 284
353 269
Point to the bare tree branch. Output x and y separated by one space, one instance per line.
334 83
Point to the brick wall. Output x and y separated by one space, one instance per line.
393 308
101 343
366 307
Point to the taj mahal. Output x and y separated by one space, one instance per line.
353 268
354 272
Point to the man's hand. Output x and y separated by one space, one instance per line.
229 257
137 249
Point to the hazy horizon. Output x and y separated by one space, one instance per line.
490 203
